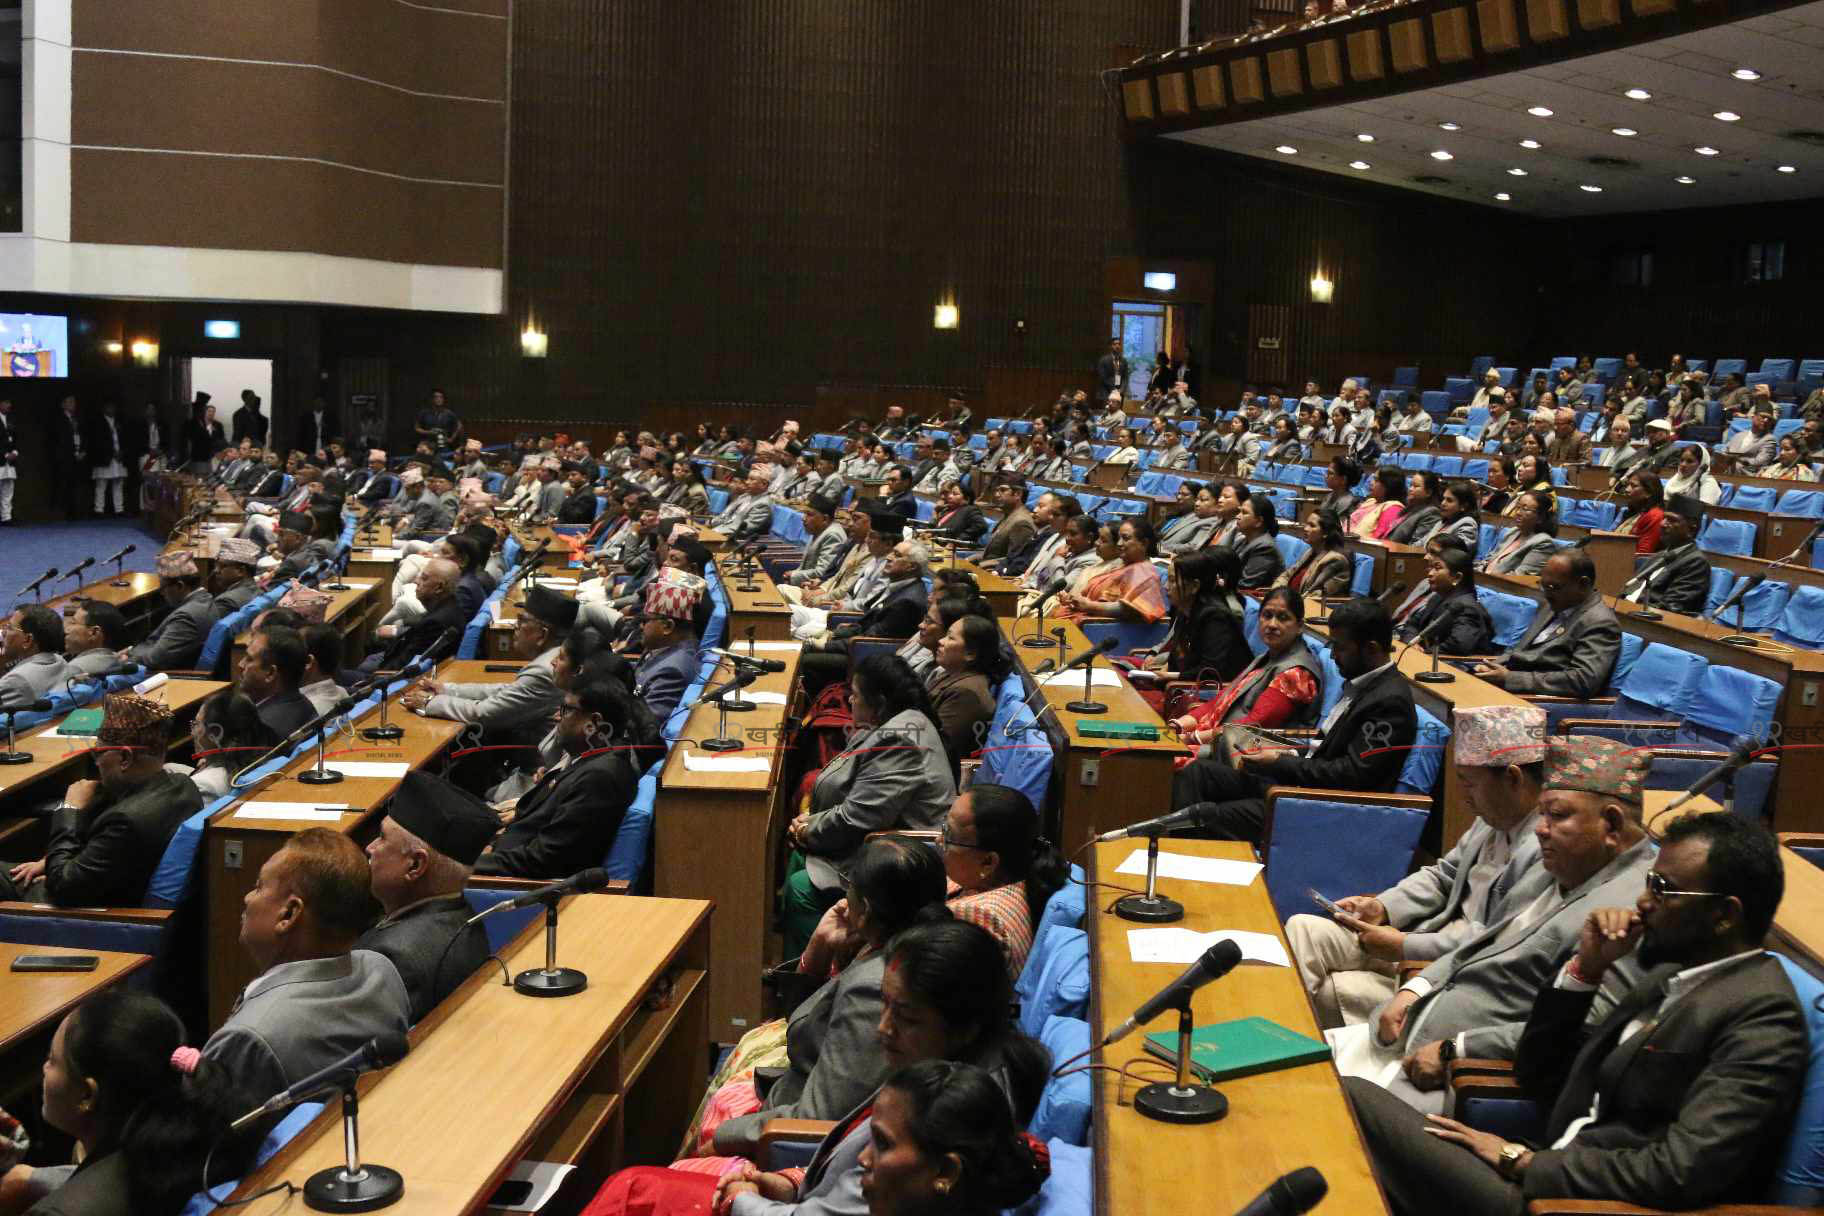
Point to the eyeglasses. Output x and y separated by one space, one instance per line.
951 842
1659 886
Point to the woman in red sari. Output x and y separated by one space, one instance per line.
1282 687
1132 591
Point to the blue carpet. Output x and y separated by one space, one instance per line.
28 550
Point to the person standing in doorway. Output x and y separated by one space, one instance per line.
9 461
107 464
69 458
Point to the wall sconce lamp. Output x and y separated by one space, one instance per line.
533 343
113 348
1321 288
144 353
945 316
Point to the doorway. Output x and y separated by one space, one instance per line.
1145 328
224 379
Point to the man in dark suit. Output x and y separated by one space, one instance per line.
231 581
108 835
898 496
567 821
248 422
1111 370
1678 579
668 640
580 504
436 588
270 672
316 428
427 845
69 458
1016 527
1362 743
1570 648
1682 1097
178 639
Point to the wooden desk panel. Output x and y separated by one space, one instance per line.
33 1003
1107 783
1798 926
556 1079
132 599
761 609
716 836
1277 1121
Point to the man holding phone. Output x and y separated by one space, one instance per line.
1347 960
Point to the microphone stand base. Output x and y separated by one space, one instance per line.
328 776
119 582
740 707
1738 639
557 981
721 745
331 1190
1149 909
383 732
1037 643
1086 707
16 757
1434 677
1647 614
1165 1102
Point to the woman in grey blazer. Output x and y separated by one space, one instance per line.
1532 542
895 773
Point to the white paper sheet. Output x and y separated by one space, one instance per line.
545 1177
762 698
325 812
741 647
1100 677
702 762
385 770
385 555
1187 945
1194 869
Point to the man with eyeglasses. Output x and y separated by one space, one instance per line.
1473 1000
1683 1096
1570 648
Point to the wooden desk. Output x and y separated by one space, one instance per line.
1796 806
138 599
1798 926
352 613
1107 783
762 609
1277 1121
235 846
1001 592
597 1080
32 1003
716 836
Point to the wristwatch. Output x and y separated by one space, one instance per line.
1447 1050
1508 1163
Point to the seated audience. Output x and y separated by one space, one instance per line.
226 735
1282 686
317 998
1457 514
1571 646
93 634
1347 962
270 674
517 710
1646 512
1130 591
1693 476
957 519
969 664
1256 530
1386 502
668 640
1016 527
1002 871
108 835
1680 1095
1326 568
232 580
1423 516
418 863
1207 640
1533 539
829 543
176 641
1678 579
1192 531
1450 620
32 643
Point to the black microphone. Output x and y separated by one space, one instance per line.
1216 962
1161 826
1393 592
742 660
741 679
121 556
38 582
593 879
79 567
1739 757
1289 1195
381 1051
1741 592
1103 647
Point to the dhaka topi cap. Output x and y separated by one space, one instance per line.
1495 736
1590 764
134 721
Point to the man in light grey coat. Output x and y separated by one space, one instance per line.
1571 646
750 514
317 998
179 638
93 634
34 655
829 542
1474 1000
1348 962
528 699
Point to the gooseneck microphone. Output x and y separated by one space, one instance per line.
1291 1194
381 1051
1215 963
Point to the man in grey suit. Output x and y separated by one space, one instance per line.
528 699
1191 532
1681 1097
829 542
1678 579
33 651
1015 529
1571 647
179 638
1473 1000
750 514
668 639
434 510
552 491
93 634
420 860
317 998
1348 962
232 580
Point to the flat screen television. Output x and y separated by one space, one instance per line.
34 346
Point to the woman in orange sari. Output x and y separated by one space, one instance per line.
1132 591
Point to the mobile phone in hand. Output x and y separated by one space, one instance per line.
1328 905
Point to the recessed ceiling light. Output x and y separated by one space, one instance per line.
1531 144
1504 197
1441 154
1706 150
1789 168
1625 132
1683 180
1745 74
1449 126
1360 164
1286 150
1364 137
1726 116
1518 172
1591 189
1639 95
1539 112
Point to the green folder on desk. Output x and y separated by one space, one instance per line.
81 722
1239 1049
